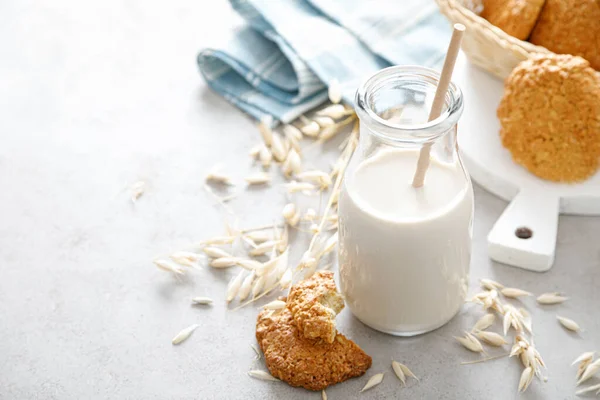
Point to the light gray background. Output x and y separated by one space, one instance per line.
94 97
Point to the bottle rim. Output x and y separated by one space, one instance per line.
407 133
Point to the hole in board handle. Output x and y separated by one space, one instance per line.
523 232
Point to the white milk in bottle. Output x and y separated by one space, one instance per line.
404 252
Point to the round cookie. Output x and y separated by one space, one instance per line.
570 27
515 17
550 117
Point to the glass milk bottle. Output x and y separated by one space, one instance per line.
404 252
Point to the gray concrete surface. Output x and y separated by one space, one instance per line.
95 96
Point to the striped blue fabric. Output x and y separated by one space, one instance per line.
280 62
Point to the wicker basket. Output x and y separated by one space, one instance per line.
484 44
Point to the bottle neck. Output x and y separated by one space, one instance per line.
393 106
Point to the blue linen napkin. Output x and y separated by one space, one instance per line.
280 63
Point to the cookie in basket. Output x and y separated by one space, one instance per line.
515 17
550 117
570 27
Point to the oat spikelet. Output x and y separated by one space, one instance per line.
265 129
512 318
184 334
373 381
490 284
281 264
268 266
292 164
249 242
307 261
311 129
262 375
528 355
311 268
137 190
319 177
258 286
258 356
264 248
234 286
526 378
568 323
284 240
314 229
484 322
526 319
330 244
513 293
289 211
291 132
201 300
246 287
275 305
218 240
489 299
216 176
310 214
334 91
581 369
291 144
407 371
588 389
329 132
224 262
265 156
294 187
587 356
335 111
259 236
491 338
470 342
551 298
250 265
255 151
324 122
216 252
278 149
332 130
260 178
169 266
271 280
519 346
399 373
286 280
290 214
589 371
186 258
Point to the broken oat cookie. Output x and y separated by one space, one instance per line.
314 304
308 363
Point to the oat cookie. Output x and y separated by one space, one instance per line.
550 117
309 363
314 304
570 27
515 17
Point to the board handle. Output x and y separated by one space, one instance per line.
525 234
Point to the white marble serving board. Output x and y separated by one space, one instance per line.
535 203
